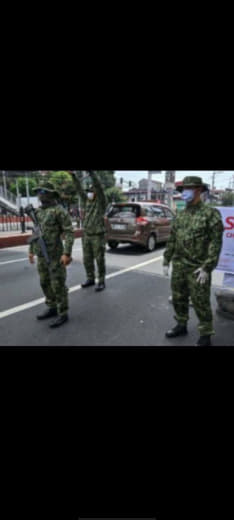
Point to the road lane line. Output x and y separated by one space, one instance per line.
26 258
17 248
20 308
117 273
13 261
75 288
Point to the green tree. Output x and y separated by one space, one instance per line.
32 182
63 182
58 178
107 178
114 194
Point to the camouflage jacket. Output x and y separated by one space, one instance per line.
196 238
93 222
55 224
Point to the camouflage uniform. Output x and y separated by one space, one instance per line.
93 240
54 221
195 241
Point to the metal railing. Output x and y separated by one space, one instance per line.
12 223
6 194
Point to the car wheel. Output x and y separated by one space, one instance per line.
113 244
151 243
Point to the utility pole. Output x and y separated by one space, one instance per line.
27 188
149 185
18 194
170 176
213 180
4 183
150 173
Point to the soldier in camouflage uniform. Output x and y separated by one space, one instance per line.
193 247
94 244
55 224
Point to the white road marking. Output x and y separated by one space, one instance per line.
75 288
13 261
34 303
24 247
16 248
20 308
26 258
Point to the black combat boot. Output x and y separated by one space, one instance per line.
60 321
88 283
47 314
178 330
204 341
100 287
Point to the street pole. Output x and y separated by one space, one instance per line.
213 180
4 183
27 188
18 194
149 185
150 173
170 177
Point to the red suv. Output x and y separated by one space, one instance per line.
143 223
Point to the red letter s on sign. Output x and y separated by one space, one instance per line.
230 221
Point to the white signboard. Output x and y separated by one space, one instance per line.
32 200
226 259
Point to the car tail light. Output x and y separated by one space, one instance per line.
142 220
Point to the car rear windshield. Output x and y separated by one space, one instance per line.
153 211
127 211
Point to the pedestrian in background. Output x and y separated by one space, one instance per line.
22 219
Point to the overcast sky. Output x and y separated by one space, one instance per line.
221 180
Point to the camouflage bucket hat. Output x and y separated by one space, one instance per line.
46 186
192 182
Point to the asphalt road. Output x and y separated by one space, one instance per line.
132 311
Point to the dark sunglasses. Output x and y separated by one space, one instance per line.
42 192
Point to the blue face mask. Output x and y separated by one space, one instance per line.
188 195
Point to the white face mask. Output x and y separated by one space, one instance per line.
188 195
90 195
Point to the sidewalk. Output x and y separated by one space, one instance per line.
16 238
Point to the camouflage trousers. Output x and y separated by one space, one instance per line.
94 247
184 284
53 284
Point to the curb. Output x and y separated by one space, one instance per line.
22 240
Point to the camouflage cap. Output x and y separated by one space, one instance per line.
192 182
47 186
